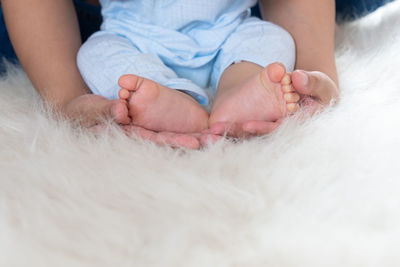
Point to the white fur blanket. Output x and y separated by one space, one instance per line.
321 193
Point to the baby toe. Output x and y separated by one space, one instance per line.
287 88
292 107
275 72
124 93
286 80
291 97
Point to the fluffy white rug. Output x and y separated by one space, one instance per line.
320 193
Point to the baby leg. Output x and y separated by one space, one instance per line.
254 88
144 84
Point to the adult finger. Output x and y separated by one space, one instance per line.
315 84
164 138
207 139
226 128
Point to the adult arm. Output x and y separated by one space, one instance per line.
45 35
312 25
46 38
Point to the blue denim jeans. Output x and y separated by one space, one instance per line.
90 19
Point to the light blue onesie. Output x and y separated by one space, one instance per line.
181 44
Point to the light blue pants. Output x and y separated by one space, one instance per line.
176 59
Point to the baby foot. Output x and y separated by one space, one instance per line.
159 108
267 96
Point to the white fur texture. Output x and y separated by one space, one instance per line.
321 193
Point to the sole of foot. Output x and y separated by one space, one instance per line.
267 96
159 108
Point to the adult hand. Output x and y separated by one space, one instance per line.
175 140
90 111
242 130
318 90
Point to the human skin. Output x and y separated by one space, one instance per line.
248 93
245 92
45 36
312 25
47 39
46 42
